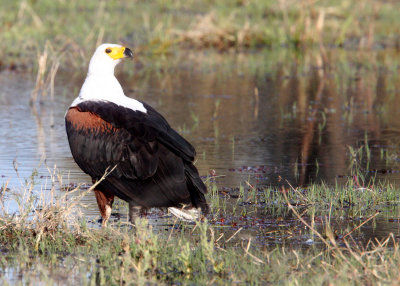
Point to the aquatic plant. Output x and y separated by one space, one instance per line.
49 242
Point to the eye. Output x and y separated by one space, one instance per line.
108 50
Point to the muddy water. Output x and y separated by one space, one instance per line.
264 117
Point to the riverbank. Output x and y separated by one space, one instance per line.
49 242
68 31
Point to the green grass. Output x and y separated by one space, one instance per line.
122 255
70 30
358 188
48 241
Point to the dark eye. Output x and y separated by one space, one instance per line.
108 51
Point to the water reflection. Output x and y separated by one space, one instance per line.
264 117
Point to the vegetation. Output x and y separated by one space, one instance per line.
47 240
69 30
255 234
125 256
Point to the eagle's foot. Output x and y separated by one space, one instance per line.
135 212
105 201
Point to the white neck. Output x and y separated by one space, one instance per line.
98 86
103 86
102 66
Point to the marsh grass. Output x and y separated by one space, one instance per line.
159 27
47 240
48 64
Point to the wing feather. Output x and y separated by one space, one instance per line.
154 163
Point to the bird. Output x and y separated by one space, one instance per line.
149 163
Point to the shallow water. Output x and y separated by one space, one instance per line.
265 117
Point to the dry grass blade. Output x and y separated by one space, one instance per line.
45 76
305 223
297 192
42 65
360 225
54 214
233 235
358 258
255 258
24 6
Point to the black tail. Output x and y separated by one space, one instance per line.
196 187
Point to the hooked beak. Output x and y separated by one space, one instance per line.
128 53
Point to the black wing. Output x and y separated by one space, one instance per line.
154 163
148 126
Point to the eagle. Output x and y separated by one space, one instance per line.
152 165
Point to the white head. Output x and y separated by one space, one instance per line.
101 84
106 57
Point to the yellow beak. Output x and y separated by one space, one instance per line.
119 53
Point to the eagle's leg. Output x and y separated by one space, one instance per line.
104 201
135 211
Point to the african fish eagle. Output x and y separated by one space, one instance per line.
153 164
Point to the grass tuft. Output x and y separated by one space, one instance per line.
49 241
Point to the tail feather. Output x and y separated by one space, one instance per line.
191 214
196 187
192 172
